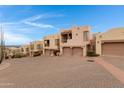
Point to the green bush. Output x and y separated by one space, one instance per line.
6 57
92 54
23 55
19 55
36 54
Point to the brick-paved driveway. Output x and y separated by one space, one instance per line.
116 61
56 72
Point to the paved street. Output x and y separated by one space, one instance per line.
52 72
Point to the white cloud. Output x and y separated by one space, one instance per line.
43 16
31 20
17 33
14 34
16 39
40 25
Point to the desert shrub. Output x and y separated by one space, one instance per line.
6 57
23 55
92 54
36 54
19 55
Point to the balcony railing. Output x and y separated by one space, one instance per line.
64 40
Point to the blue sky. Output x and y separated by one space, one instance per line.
23 24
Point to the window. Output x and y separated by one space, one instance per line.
38 46
66 37
47 43
85 35
27 49
56 42
70 36
32 46
22 49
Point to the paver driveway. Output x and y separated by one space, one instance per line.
63 72
116 61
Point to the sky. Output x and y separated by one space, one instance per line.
23 24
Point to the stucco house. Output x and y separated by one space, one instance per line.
51 45
25 49
75 41
36 48
111 42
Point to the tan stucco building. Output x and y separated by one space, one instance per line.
36 48
74 41
25 49
110 43
51 45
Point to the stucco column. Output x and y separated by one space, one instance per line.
85 50
30 53
98 47
61 50
71 50
43 51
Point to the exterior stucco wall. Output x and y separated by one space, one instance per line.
52 41
24 47
113 34
34 47
52 45
98 44
36 43
77 38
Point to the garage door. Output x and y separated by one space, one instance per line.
114 49
67 51
47 52
77 51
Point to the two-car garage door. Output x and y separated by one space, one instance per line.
67 51
75 51
47 52
113 48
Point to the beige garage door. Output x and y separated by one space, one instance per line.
114 49
67 51
77 51
47 52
